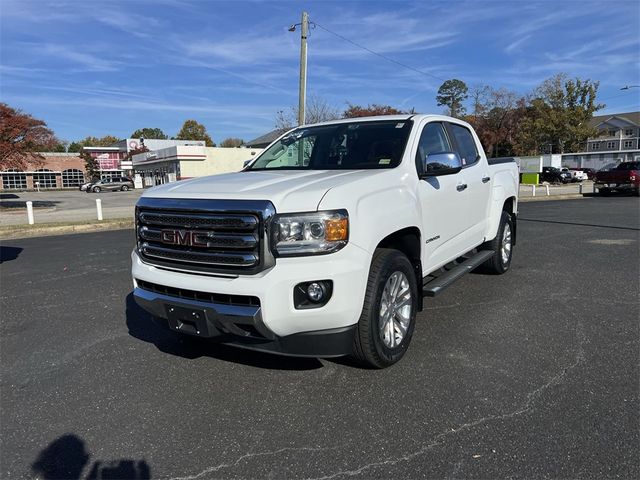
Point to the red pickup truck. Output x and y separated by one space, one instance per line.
623 177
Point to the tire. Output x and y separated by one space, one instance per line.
636 192
125 188
96 189
372 346
605 192
501 261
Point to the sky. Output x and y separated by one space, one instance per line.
95 68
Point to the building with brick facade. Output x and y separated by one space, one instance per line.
52 170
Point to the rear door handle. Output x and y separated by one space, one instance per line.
485 179
461 187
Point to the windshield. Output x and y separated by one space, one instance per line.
344 146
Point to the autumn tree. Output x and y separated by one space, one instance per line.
354 111
232 142
146 133
451 94
496 117
559 115
317 110
21 136
192 130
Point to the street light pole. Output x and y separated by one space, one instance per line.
302 98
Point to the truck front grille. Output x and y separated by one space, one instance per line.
204 235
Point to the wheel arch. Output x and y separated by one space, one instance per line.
407 241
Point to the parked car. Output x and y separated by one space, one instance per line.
327 242
589 172
577 175
624 177
111 184
554 175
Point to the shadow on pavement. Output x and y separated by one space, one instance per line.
144 327
19 204
4 196
66 458
9 253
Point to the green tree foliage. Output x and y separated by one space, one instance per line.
559 115
91 165
74 147
106 141
192 130
354 111
147 133
232 142
451 94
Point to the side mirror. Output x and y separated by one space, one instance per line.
442 163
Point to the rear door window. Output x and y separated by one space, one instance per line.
465 144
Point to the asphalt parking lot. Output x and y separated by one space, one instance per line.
533 374
65 206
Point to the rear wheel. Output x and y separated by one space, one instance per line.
388 315
502 244
125 188
96 189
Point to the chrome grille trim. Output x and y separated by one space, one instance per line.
224 236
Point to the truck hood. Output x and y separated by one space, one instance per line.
288 190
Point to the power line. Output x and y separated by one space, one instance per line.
377 53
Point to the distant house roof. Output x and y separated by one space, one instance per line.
631 117
266 139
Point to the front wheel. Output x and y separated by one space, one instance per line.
96 189
125 188
502 244
388 315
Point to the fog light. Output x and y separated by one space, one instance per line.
315 292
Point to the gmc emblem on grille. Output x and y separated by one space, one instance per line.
189 238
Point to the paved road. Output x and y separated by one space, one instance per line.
533 374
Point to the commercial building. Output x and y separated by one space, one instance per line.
48 170
618 141
185 161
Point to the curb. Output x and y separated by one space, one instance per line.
545 198
26 231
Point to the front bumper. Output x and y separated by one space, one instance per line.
241 326
323 331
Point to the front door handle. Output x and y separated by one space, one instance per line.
485 179
461 187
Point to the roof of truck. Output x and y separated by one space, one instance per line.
391 118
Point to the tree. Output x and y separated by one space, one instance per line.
192 130
354 111
497 115
91 165
451 94
317 110
232 142
21 136
147 133
74 147
559 115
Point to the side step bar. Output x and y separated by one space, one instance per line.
434 286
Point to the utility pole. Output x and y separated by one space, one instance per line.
304 30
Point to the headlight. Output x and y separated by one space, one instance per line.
313 233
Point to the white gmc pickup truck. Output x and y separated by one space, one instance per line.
326 243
